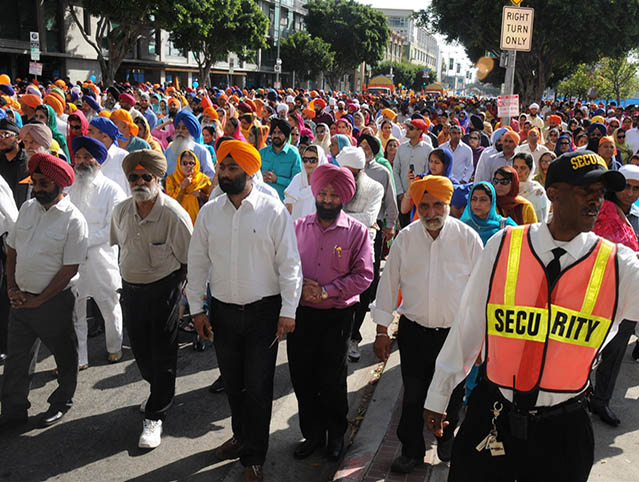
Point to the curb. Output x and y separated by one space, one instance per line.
369 437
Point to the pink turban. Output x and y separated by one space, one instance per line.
53 167
340 178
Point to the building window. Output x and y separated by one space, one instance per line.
86 20
18 19
173 51
51 25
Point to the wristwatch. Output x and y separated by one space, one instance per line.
324 293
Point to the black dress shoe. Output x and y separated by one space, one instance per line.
334 448
605 414
445 449
7 423
51 417
217 386
307 447
405 465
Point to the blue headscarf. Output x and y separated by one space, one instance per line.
448 163
191 123
17 118
342 142
486 228
570 145
108 127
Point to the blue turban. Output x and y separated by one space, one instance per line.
190 122
597 125
460 195
108 127
6 89
94 146
497 134
92 103
599 112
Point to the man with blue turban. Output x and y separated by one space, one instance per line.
105 131
95 196
188 137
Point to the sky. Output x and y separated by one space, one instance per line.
447 50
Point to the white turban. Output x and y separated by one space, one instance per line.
629 171
351 156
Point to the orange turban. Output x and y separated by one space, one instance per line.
247 157
212 113
61 83
309 112
206 102
235 99
105 113
5 79
513 135
439 186
389 113
554 118
174 101
54 102
31 100
124 116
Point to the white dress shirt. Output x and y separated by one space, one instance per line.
408 154
112 167
245 254
100 273
431 274
8 209
487 165
462 161
466 339
45 241
366 203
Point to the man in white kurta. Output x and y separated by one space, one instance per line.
95 196
107 133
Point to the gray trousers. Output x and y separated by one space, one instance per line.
52 322
611 358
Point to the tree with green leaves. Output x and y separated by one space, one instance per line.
407 74
356 33
210 29
120 24
565 34
617 78
307 56
579 83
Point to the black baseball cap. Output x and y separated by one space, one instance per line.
584 167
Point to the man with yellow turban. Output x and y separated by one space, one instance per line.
244 245
441 252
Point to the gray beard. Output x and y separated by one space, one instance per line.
82 191
180 144
144 193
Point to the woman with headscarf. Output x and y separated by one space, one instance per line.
481 212
564 144
257 136
338 142
390 151
530 189
608 151
322 136
144 132
385 132
345 128
623 148
474 141
187 185
509 202
552 136
232 128
296 119
298 197
46 114
544 163
77 126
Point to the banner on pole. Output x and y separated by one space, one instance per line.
508 105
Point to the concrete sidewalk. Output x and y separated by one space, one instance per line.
376 445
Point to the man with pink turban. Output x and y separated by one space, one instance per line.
337 265
44 251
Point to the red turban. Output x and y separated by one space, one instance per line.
341 178
126 98
246 156
321 103
419 124
53 167
554 118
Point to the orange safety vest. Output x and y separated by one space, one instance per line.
541 338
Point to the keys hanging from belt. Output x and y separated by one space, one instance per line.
490 442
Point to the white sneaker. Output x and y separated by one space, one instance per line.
353 351
143 406
151 434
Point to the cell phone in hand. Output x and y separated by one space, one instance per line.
411 168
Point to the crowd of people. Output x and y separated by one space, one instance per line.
254 214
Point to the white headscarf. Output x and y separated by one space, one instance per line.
298 193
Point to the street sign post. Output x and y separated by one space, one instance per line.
34 41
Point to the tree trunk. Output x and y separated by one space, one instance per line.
205 73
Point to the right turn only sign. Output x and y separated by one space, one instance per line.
517 28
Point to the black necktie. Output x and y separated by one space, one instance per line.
554 267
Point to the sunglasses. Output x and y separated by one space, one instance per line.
564 143
309 160
145 177
75 127
503 182
5 135
621 137
473 138
188 163
411 127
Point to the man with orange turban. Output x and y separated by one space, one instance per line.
28 104
244 245
129 129
441 252
44 251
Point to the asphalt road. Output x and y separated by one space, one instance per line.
97 440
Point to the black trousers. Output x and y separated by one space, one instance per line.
51 322
418 350
611 359
368 296
150 314
242 336
558 448
317 360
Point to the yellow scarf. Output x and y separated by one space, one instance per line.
189 201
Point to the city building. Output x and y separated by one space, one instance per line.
65 53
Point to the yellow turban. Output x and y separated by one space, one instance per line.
439 186
389 113
247 157
124 116
5 79
598 118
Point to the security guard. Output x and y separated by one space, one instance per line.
540 305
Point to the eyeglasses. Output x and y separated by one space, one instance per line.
564 143
6 135
473 138
75 127
621 137
503 182
411 127
188 163
145 177
309 160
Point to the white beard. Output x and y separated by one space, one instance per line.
145 193
83 189
181 144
